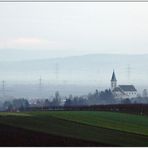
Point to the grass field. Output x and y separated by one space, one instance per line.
110 128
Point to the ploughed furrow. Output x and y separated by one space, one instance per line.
70 129
13 136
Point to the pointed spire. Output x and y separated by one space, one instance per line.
113 77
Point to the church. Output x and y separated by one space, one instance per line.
122 91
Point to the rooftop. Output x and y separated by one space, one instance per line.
127 87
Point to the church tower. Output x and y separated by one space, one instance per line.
113 81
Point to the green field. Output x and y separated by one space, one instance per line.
111 128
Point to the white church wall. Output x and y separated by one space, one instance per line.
131 94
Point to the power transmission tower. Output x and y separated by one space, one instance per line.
3 88
40 86
128 73
57 72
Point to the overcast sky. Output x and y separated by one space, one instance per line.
75 28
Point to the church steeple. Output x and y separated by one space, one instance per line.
113 77
113 81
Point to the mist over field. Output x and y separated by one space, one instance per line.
60 47
77 75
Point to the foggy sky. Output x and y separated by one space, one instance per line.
41 30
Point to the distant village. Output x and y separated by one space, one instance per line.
116 94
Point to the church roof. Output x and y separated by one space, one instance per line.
118 89
113 77
127 87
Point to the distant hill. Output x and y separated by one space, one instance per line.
76 71
86 68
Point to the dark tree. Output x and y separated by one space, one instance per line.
20 104
107 96
47 103
7 106
126 101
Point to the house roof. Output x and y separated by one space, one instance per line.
127 87
113 77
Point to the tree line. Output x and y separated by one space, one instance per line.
97 98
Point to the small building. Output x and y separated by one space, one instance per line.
122 91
